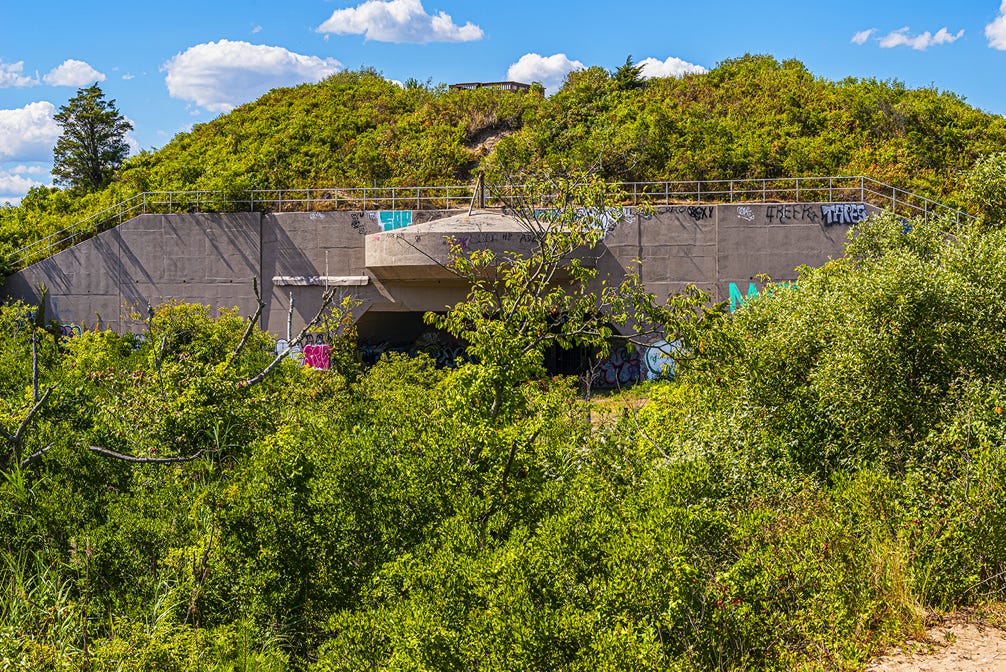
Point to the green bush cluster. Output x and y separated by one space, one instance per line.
826 468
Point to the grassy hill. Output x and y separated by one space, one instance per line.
751 117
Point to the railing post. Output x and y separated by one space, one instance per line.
862 189
731 191
698 192
417 199
798 190
831 196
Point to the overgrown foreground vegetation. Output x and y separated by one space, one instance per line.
828 466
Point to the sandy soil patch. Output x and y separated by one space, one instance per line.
959 644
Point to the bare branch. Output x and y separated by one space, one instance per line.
148 460
34 364
510 459
260 305
34 456
161 352
16 438
326 301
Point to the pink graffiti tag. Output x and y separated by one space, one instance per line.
316 356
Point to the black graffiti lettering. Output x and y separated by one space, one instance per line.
357 223
843 213
698 213
782 214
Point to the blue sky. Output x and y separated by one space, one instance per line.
172 65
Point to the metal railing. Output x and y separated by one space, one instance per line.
798 189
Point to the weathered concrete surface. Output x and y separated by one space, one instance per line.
109 280
391 262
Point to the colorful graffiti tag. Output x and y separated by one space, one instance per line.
620 367
394 219
737 299
445 355
843 213
316 356
659 359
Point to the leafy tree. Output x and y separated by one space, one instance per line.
522 303
93 141
985 188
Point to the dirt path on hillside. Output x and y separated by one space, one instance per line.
959 644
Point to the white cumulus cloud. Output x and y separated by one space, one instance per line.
921 42
670 67
862 36
398 21
222 75
28 133
996 31
11 74
73 73
551 70
13 186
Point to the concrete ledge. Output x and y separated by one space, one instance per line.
320 280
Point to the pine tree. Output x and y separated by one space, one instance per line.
629 76
93 142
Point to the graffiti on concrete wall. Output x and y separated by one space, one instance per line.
358 220
746 213
394 219
605 220
371 353
318 338
295 353
316 356
445 355
843 213
314 353
737 299
620 367
697 212
69 330
786 213
659 359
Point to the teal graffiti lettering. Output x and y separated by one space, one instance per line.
394 219
737 299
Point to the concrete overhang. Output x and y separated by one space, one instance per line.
421 252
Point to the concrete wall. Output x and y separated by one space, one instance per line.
109 280
715 246
212 258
